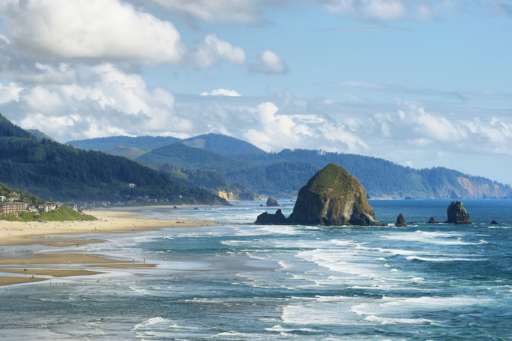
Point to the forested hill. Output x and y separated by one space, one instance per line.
382 178
48 168
278 178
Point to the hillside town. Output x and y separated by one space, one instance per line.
13 204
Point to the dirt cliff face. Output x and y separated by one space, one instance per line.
332 197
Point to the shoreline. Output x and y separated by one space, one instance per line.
14 270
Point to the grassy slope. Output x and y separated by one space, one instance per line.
61 214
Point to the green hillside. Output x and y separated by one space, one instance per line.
60 214
48 168
179 155
210 180
39 134
130 153
20 195
221 144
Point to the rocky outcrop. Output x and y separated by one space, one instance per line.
272 202
457 214
331 197
494 222
432 221
400 221
271 219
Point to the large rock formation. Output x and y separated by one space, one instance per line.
494 222
400 221
457 214
331 197
272 202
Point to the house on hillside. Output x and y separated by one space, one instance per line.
131 185
49 206
2 198
71 205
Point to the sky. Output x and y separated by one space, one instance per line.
423 83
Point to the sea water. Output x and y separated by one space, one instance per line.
248 282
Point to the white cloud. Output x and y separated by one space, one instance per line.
9 93
103 30
270 64
222 11
367 9
221 92
212 47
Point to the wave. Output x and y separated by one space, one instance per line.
385 320
446 259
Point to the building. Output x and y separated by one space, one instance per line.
49 206
131 185
2 198
12 207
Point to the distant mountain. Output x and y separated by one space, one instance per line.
221 144
287 171
39 134
108 144
212 142
47 168
130 153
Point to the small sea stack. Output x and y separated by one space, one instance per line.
494 222
432 221
272 202
400 221
457 214
271 219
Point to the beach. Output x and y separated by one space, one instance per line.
21 269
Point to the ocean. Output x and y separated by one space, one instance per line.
248 282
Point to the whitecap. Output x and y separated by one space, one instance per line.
384 320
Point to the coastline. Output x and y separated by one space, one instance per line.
14 270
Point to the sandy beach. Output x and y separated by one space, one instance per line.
20 233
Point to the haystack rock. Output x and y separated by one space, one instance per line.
457 214
432 221
494 222
331 197
272 202
400 221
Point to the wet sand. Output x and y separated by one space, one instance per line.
19 233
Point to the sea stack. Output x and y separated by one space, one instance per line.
457 214
331 197
271 219
432 221
272 202
494 222
400 221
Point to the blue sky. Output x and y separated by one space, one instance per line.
421 83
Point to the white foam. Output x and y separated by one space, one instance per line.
446 259
384 320
151 321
